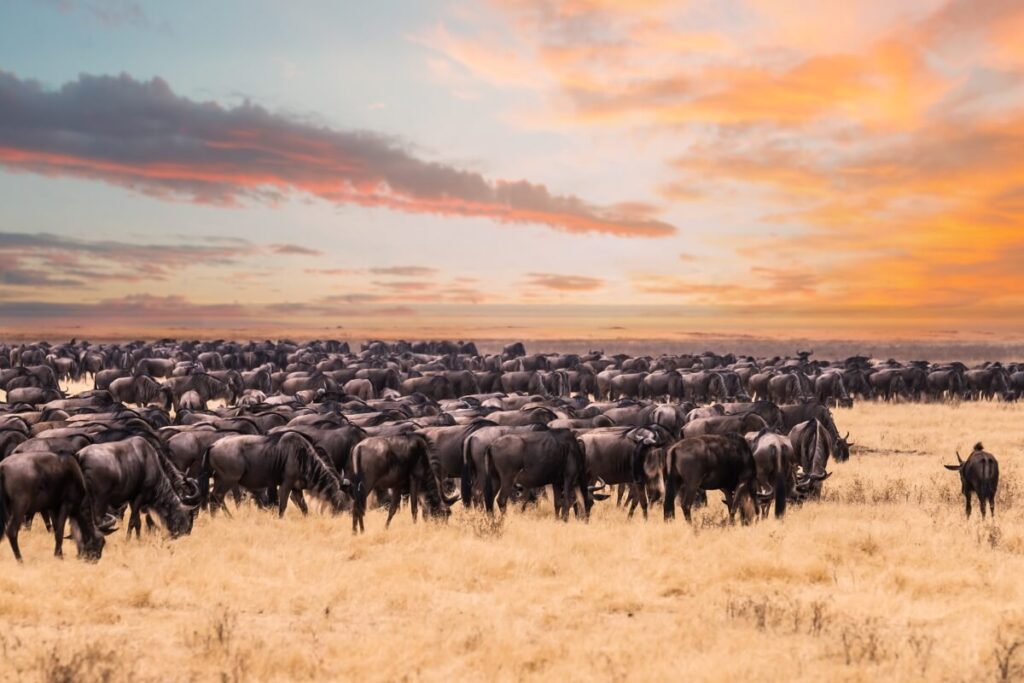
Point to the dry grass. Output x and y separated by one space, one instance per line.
884 580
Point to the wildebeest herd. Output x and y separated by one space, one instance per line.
430 423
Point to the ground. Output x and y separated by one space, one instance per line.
883 580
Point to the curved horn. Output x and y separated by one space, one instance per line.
598 485
191 494
109 521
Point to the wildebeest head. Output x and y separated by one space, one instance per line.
841 448
90 538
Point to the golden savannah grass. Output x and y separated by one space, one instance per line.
882 580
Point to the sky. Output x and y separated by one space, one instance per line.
512 168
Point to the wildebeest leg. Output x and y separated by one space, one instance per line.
639 494
669 504
632 500
568 500
992 505
727 498
414 497
300 501
981 504
13 522
282 496
394 503
150 524
967 497
503 496
134 521
220 491
59 520
619 492
689 496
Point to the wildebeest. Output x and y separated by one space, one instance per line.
619 455
45 482
286 461
710 462
812 445
774 458
528 460
398 463
979 474
133 471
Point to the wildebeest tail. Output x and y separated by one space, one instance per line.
203 480
358 481
781 483
488 484
468 473
670 481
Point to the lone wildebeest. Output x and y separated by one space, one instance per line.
979 474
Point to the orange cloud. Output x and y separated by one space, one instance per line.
564 283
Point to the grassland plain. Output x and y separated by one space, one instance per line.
882 580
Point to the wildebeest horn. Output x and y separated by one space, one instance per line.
767 494
107 525
598 485
959 459
451 500
191 494
847 436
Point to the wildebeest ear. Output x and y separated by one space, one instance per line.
952 467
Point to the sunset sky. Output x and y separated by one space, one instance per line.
513 168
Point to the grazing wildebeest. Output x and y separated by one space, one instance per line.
52 484
618 455
399 463
286 461
979 474
207 386
444 445
773 456
135 472
812 445
140 390
709 462
474 446
529 460
946 383
830 387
